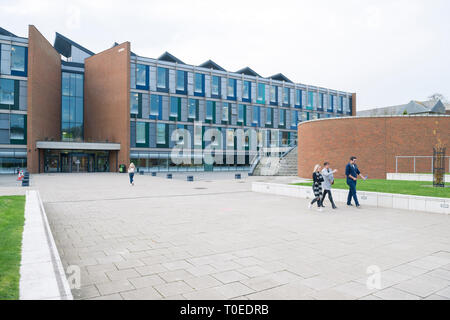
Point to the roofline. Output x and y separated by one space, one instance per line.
74 44
239 75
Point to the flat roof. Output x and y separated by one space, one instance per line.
62 145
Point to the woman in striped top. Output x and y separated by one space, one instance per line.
317 188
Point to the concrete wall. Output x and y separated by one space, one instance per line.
375 141
44 95
107 100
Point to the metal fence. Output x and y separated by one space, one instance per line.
414 161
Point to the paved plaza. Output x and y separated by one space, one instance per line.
215 239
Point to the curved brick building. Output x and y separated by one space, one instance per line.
376 141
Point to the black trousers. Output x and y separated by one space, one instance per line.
330 197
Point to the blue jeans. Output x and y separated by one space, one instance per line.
352 192
131 177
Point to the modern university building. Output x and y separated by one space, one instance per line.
64 108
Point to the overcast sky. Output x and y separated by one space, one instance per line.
387 51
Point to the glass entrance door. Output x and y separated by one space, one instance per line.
82 162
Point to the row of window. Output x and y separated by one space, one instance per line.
140 135
211 112
72 109
307 99
18 57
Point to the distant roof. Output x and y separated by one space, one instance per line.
248 71
280 77
5 32
438 107
166 56
64 46
413 107
211 65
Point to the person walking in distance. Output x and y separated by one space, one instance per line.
131 169
328 181
352 172
317 188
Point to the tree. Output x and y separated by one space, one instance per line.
437 96
405 112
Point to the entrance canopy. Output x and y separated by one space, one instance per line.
60 145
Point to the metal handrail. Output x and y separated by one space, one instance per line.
291 147
414 157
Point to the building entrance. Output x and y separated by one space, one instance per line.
76 161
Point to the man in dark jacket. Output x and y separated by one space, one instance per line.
352 172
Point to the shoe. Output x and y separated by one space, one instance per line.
358 207
320 209
309 206
334 207
350 205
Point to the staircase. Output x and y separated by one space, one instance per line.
288 164
275 166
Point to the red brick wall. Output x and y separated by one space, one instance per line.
107 100
375 141
44 96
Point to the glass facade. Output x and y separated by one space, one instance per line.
18 58
215 86
141 75
6 92
162 78
181 80
224 104
72 109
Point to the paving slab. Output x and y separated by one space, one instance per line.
192 234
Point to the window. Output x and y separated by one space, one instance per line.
273 94
286 95
331 105
230 137
154 104
225 111
174 106
18 58
298 98
72 108
198 134
181 83
134 103
246 90
160 133
310 100
261 93
209 110
341 103
140 133
192 108
282 117
321 101
199 81
161 78
255 118
7 91
294 118
269 115
241 113
284 138
231 89
141 75
17 127
215 86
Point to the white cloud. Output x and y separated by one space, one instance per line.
388 51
